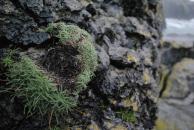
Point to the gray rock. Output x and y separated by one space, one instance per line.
177 82
123 57
134 26
173 117
18 27
36 6
173 52
104 60
73 5
181 80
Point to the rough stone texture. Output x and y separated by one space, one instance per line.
173 52
177 87
182 76
175 117
126 34
17 26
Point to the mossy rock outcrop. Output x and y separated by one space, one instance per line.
126 37
50 83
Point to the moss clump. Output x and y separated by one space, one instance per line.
80 39
26 81
127 115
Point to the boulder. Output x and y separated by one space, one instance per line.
181 80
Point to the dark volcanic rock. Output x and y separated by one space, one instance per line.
104 60
18 27
145 9
126 34
20 19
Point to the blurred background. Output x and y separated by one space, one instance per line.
179 20
176 105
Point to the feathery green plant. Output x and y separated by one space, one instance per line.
7 60
27 81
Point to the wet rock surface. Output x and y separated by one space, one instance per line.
126 35
177 78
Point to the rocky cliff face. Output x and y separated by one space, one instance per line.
122 94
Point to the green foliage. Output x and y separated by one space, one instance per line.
89 63
27 81
127 115
8 61
65 33
71 34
